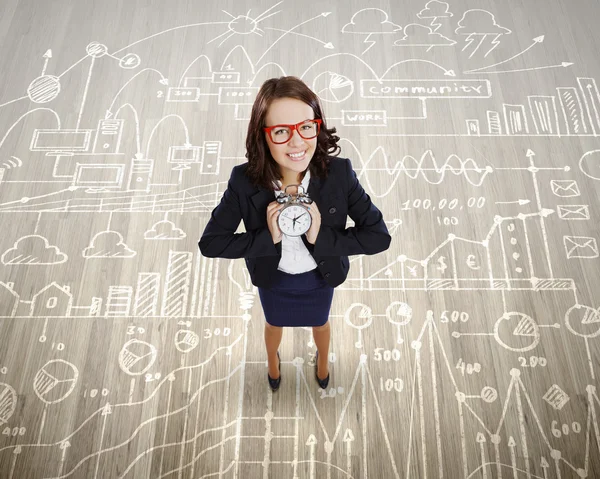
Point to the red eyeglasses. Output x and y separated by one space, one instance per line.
307 129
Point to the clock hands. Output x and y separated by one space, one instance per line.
295 218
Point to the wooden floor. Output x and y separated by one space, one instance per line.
469 349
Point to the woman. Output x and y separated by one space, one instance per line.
289 144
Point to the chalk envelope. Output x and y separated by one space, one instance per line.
573 212
581 247
565 188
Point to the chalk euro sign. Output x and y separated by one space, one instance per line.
581 247
471 262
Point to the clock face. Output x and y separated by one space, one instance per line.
294 220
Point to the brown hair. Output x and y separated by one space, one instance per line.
262 168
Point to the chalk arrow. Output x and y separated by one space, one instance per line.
63 447
536 41
106 410
547 212
348 439
47 56
521 202
547 67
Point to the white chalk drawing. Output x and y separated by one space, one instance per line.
9 299
486 246
164 230
108 244
556 397
363 316
580 247
589 164
332 87
8 164
137 357
52 300
400 314
521 326
591 99
55 381
416 35
583 321
370 22
536 41
32 250
434 10
565 188
544 113
574 212
478 25
245 24
44 89
8 402
186 340
426 167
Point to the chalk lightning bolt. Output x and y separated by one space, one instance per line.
372 42
495 43
436 24
470 39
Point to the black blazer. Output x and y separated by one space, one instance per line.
337 196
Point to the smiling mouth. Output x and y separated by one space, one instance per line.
297 156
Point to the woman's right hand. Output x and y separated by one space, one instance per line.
272 214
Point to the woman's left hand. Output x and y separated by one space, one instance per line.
313 231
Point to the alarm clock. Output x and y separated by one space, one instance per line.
294 219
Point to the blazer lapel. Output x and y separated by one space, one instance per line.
261 200
314 189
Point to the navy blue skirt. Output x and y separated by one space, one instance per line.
297 299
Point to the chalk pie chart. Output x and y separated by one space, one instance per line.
332 87
589 164
8 402
583 321
517 332
136 357
55 381
186 340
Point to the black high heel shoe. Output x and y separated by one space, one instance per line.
274 383
323 383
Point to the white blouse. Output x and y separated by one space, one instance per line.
295 258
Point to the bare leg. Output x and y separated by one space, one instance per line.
322 335
273 336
